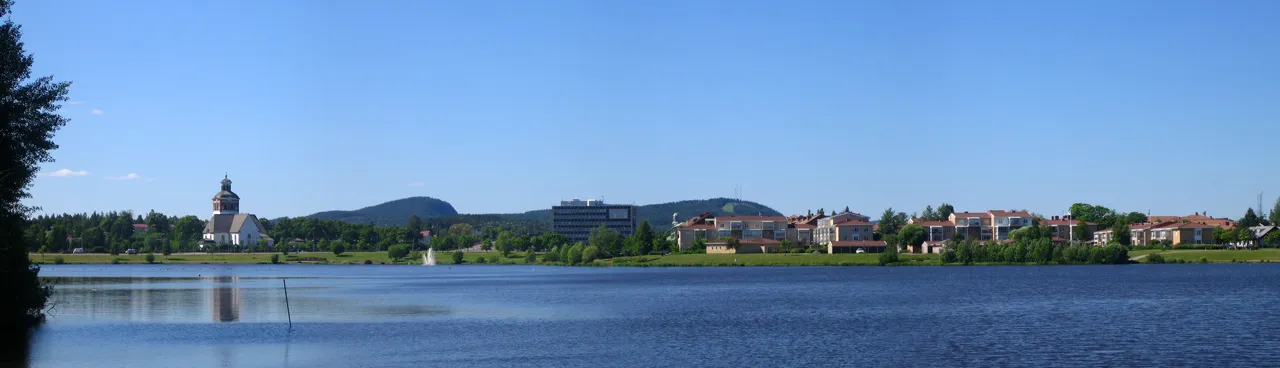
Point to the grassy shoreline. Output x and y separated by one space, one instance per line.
674 260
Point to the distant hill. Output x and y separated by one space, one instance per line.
395 212
440 214
659 215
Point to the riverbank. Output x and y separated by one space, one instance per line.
674 260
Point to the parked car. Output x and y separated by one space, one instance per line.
860 250
77 251
131 251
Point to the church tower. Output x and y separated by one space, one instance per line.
226 202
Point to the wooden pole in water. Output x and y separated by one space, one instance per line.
286 303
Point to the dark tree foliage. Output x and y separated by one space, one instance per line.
29 114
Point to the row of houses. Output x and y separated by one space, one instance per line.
851 232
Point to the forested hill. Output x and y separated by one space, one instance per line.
659 215
391 213
441 214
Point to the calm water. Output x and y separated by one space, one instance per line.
512 316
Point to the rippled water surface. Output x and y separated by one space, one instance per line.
519 316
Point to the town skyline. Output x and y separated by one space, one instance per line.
511 107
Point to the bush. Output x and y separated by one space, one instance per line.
530 256
1204 260
1199 246
457 257
368 261
493 258
151 258
59 260
481 260
275 259
590 254
889 256
115 261
338 248
167 250
1155 258
398 251
575 254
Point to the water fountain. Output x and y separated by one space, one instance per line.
429 258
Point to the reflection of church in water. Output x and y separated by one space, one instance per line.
224 297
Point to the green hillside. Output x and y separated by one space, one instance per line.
439 214
395 212
659 215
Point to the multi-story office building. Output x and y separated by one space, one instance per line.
575 219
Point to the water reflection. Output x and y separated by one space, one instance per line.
224 299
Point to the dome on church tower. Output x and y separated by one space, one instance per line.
226 193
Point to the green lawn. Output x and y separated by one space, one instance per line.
1260 255
251 258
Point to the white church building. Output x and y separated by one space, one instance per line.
230 227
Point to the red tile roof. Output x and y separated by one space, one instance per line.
853 222
859 243
751 218
803 226
699 227
1187 225
1009 213
971 214
935 223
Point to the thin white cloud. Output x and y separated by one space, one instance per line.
65 173
74 102
131 176
417 184
96 112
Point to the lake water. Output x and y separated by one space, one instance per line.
526 316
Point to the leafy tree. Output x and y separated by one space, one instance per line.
891 222
1121 232
889 256
608 241
415 225
733 243
644 237
552 255
1273 238
661 243
575 254
945 211
1135 218
151 258
457 257
58 237
487 245
590 254
1223 236
552 239
337 247
275 259
506 242
1104 217
462 229
912 235
1275 213
699 245
398 251
929 214
262 244
1249 220
530 256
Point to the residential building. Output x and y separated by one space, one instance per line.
700 227
853 246
577 218
1005 222
930 247
751 227
229 227
972 225
1180 233
936 231
1198 217
1065 228
1260 234
852 228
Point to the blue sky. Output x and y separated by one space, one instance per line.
508 106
